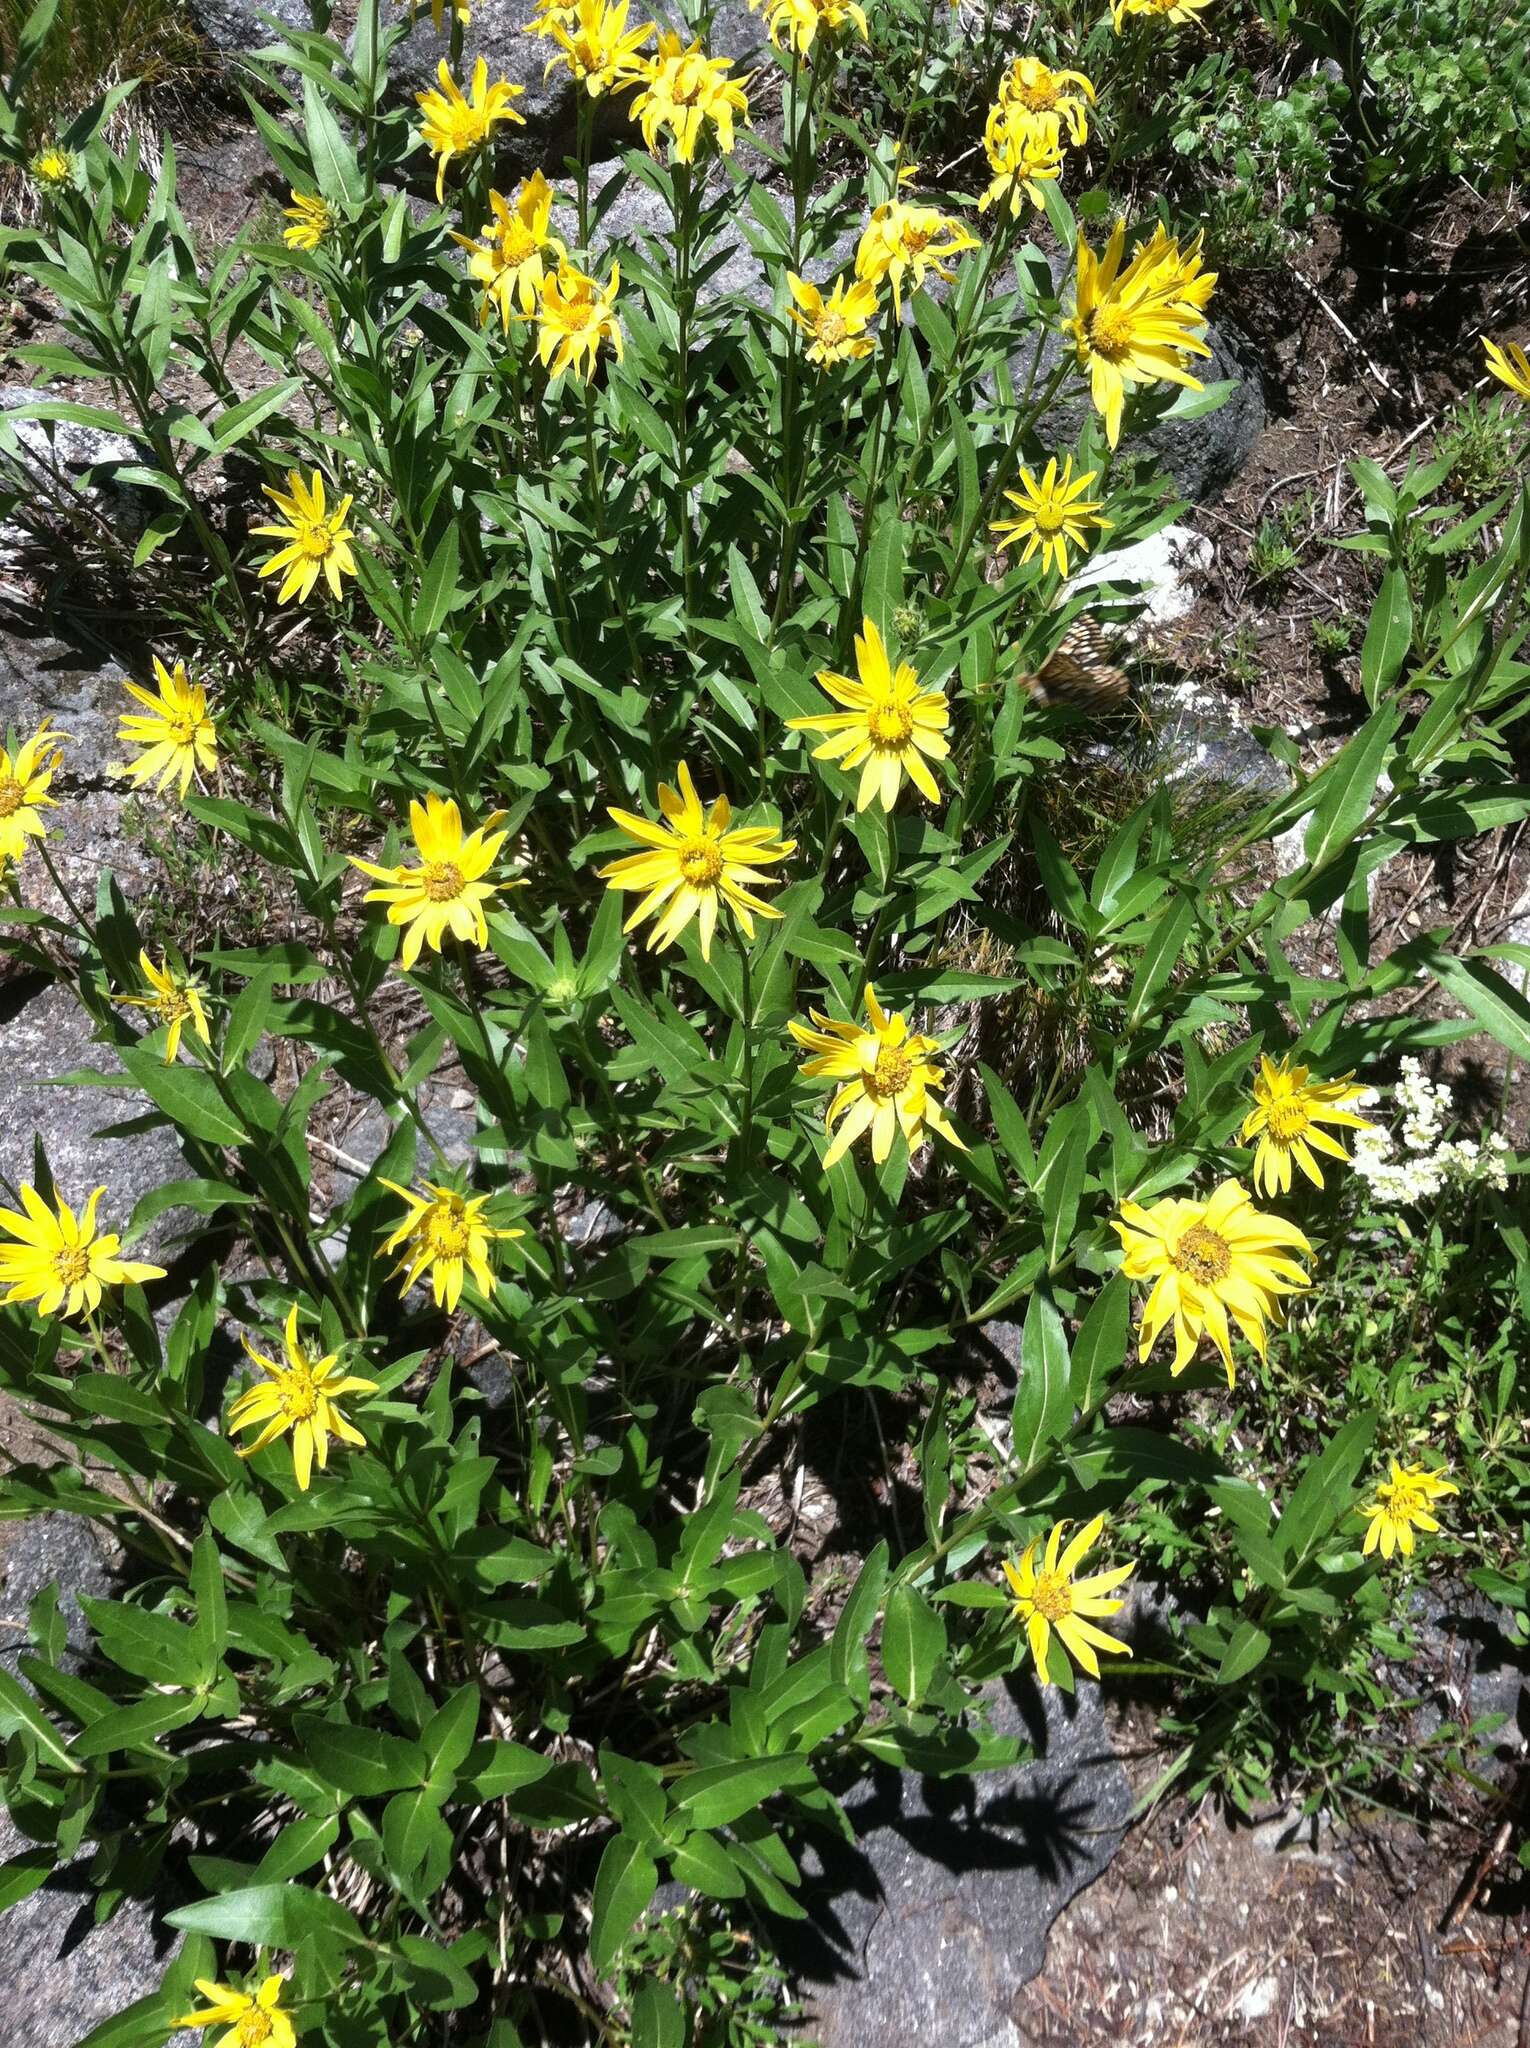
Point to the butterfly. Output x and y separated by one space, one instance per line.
1081 673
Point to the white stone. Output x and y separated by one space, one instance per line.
1165 566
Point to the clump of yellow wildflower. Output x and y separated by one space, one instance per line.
888 727
1053 515
687 92
887 1080
174 1000
318 541
508 258
906 240
174 732
1132 326
301 1395
455 125
60 1260
1404 1502
835 326
25 778
446 892
444 1233
575 315
1049 1596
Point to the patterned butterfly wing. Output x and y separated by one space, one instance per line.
1081 673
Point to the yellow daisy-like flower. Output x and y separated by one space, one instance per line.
1048 1596
1509 364
574 316
594 41
317 540
901 238
52 167
175 1001
836 326
1208 1261
439 10
446 892
258 2022
693 864
1038 89
302 1396
456 126
887 1077
1053 514
1402 1504
507 261
683 91
1124 331
1288 1110
61 1261
1177 11
445 1231
1025 151
798 22
312 219
24 783
173 731
887 727
1181 281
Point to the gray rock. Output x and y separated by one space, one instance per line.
236 26
49 1034
61 1550
930 1929
59 478
1469 1665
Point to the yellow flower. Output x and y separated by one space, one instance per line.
53 167
447 892
258 2022
596 44
574 316
1509 364
507 262
174 730
693 864
438 12
1403 1504
315 539
900 237
887 1077
1288 1108
177 997
311 221
1125 333
454 126
887 727
1181 282
1051 1597
445 1231
684 90
1178 11
24 783
836 325
59 1260
1038 89
301 1396
1053 514
798 21
1025 151
1208 1260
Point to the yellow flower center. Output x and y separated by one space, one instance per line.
71 1264
701 862
254 2028
12 797
1110 331
311 537
832 330
1203 1254
889 723
447 1233
516 244
443 881
892 1072
917 239
1037 93
1402 1498
1049 514
168 1008
1052 1596
181 728
1287 1121
299 1398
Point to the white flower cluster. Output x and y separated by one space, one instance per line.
1422 1167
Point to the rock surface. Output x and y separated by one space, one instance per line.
62 474
931 1927
236 25
547 104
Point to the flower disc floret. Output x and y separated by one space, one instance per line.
1052 515
694 864
1209 1261
445 892
889 728
1050 1597
318 541
60 1260
888 1081
300 1395
1287 1118
454 124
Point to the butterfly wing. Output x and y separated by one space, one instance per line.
1081 672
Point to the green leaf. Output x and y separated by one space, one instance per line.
1388 635
847 1649
438 588
361 1761
1348 783
138 1726
242 419
188 1096
1100 1346
658 2019
269 1916
1043 1400
18 1710
1497 1005
624 1884
334 161
721 1793
447 1737
1247 1647
913 1643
